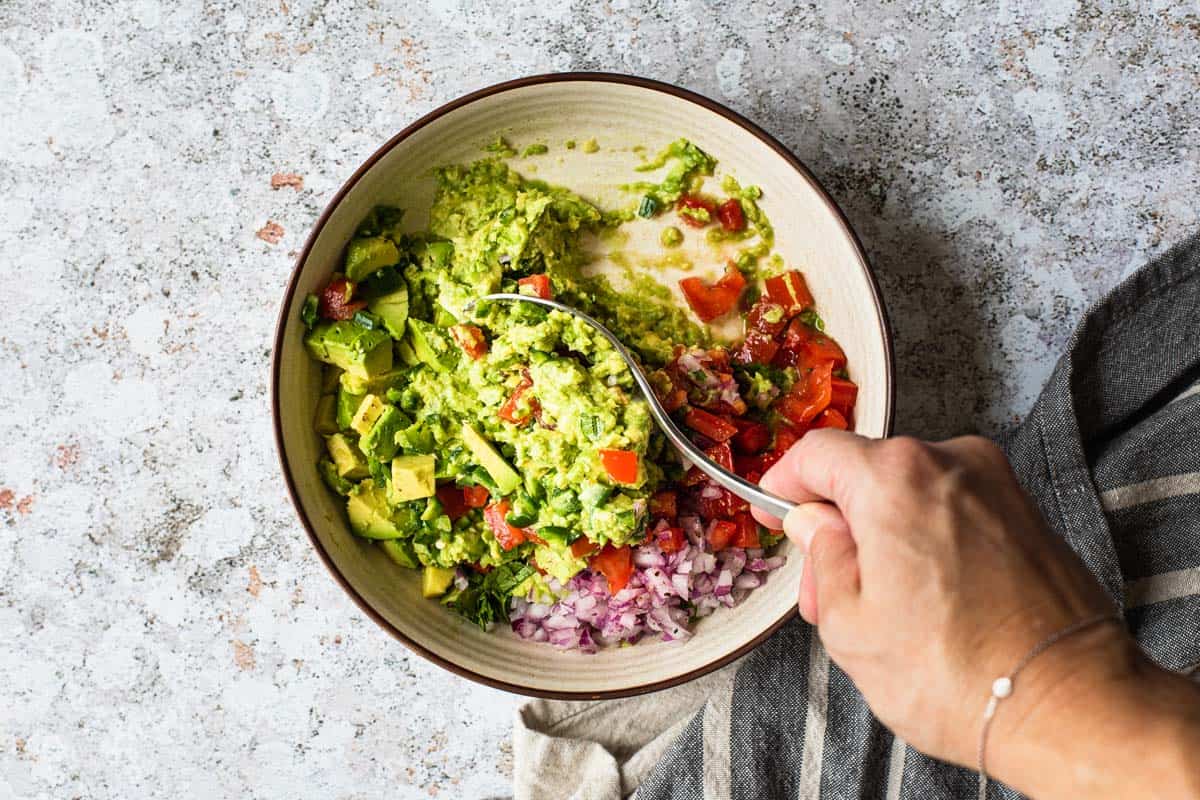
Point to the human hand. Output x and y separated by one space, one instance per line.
929 573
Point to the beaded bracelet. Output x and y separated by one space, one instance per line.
1003 687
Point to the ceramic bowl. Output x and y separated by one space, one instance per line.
621 113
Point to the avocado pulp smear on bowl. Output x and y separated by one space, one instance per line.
505 450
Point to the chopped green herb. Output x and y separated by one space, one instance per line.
812 319
308 312
648 207
485 600
535 150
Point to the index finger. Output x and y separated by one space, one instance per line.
820 467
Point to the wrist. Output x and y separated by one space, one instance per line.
1037 731
1090 715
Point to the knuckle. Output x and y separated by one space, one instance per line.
984 448
906 454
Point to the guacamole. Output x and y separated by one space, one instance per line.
500 447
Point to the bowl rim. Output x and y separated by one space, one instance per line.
289 296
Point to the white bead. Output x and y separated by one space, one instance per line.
1002 687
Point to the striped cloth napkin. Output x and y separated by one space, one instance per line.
1111 453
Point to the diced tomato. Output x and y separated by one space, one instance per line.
693 477
710 302
752 467
845 394
757 348
752 437
731 216
721 533
747 532
785 437
809 397
766 317
539 284
674 400
510 411
712 426
770 459
671 540
732 280
509 536
790 291
664 505
721 454
335 301
669 388
452 501
808 346
695 211
615 564
831 418
714 502
475 496
621 465
744 464
470 338
582 547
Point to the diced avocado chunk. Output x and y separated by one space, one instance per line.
412 478
559 562
350 346
431 345
347 404
375 384
401 551
407 354
329 474
325 420
392 309
380 441
366 254
506 478
417 438
369 410
329 379
369 513
435 581
346 456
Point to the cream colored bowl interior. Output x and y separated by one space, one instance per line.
809 235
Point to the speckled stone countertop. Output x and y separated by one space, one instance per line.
165 629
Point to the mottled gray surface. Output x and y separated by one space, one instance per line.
165 628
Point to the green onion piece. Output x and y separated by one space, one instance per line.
367 320
648 207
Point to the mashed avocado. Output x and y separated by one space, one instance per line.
486 437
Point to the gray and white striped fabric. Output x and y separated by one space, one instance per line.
1111 452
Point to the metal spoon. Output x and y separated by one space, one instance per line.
772 504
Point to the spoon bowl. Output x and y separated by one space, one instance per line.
752 494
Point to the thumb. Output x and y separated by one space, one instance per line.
831 570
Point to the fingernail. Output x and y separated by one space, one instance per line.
802 522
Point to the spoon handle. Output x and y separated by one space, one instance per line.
752 494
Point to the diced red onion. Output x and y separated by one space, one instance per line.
587 615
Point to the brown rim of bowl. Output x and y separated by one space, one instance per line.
281 325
